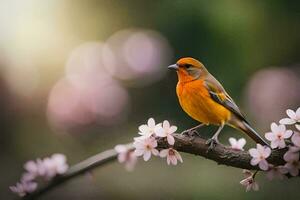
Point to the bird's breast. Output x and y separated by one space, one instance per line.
195 100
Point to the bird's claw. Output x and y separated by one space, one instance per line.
212 142
191 133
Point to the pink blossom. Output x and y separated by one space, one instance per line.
23 188
296 139
55 165
293 163
237 144
34 168
147 130
293 118
172 156
276 172
27 177
145 147
277 136
126 156
259 155
249 181
166 131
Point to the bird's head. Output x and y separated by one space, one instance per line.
189 69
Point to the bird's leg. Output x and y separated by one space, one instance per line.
192 131
214 140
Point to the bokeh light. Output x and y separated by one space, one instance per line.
133 55
271 91
87 95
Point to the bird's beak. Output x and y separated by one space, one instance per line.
174 67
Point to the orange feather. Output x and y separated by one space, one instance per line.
195 100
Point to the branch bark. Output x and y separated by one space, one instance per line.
193 145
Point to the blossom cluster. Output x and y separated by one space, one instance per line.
280 137
145 144
39 169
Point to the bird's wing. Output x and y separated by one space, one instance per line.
219 95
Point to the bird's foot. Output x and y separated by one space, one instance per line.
212 142
191 133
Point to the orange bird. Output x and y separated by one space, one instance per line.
204 99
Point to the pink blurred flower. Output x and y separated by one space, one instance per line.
277 136
259 155
296 139
126 156
34 169
293 163
276 172
172 156
55 165
166 131
147 130
46 168
249 181
237 144
294 118
24 187
145 147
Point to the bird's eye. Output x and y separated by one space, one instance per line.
187 66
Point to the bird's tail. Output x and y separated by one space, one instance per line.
246 128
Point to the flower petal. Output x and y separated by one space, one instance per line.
178 156
166 124
121 157
298 113
294 171
241 142
232 141
172 129
287 121
274 144
173 160
244 182
287 134
151 123
270 136
291 113
296 139
274 128
281 128
267 152
254 161
290 156
147 155
170 139
281 144
254 153
138 152
143 129
263 165
168 160
155 152
120 148
260 148
160 132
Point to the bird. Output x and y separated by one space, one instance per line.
205 100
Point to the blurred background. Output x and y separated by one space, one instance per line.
79 77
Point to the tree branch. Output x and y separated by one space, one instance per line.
193 145
220 153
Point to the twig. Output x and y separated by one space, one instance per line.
193 145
